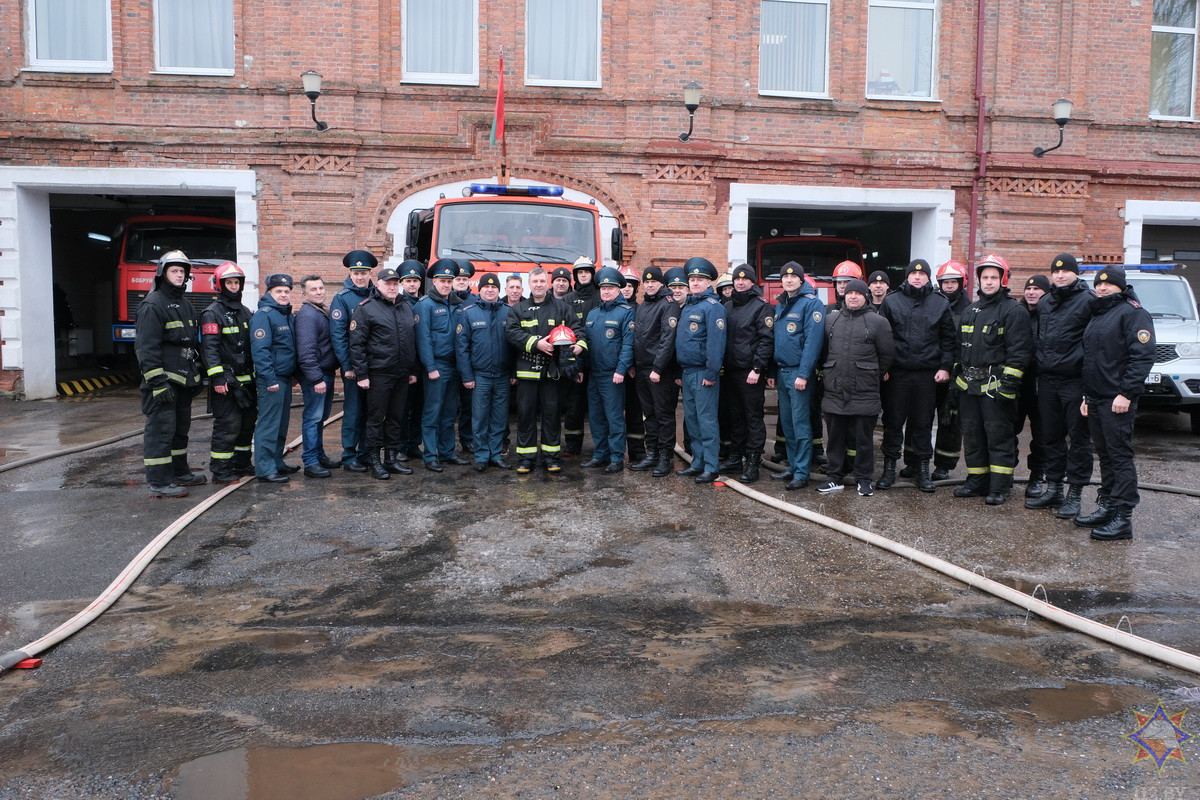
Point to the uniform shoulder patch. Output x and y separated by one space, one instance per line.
336 313
210 328
1135 304
770 322
720 323
416 318
672 321
259 333
353 324
816 316
1143 336
365 299
459 328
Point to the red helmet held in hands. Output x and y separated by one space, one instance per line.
562 334
847 270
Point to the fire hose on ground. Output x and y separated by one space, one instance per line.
1045 610
128 575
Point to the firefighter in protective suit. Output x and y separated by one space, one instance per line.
995 346
225 348
168 355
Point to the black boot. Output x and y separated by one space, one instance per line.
730 465
662 467
750 473
887 478
1001 485
648 460
393 464
376 466
1098 518
1119 527
909 471
940 474
974 486
1051 498
1072 504
1034 487
924 482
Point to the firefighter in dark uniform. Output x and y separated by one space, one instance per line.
541 367
608 329
1062 316
273 348
437 317
232 397
995 346
1118 354
582 300
383 353
167 347
654 358
700 351
1036 289
799 329
947 446
923 333
749 347
412 280
462 288
356 288
635 427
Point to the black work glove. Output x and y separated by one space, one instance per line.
162 397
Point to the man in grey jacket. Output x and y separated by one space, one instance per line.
859 351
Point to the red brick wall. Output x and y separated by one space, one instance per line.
323 194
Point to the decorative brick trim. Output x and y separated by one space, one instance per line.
1107 258
1042 187
310 164
681 173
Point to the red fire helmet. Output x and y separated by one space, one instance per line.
562 335
847 270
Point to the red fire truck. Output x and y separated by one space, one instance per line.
508 229
817 254
140 241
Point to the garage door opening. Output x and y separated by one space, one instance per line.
103 254
819 239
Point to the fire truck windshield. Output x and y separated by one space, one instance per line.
146 243
523 232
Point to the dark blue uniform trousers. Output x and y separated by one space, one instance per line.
440 413
606 417
354 420
489 415
1112 437
700 418
795 414
270 433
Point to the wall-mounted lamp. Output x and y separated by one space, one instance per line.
312 90
1062 115
691 101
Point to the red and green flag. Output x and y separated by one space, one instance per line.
498 119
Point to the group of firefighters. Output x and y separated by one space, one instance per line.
418 354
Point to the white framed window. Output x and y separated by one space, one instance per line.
193 37
440 41
562 43
1173 59
70 35
901 48
793 48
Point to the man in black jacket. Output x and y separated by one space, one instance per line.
232 396
1118 354
654 353
383 353
923 330
1063 315
318 364
995 346
167 347
575 394
749 347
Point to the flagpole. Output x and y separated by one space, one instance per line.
502 166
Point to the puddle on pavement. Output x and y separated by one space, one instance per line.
345 771
1079 701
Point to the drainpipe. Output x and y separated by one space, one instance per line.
980 119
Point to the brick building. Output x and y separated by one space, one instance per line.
908 125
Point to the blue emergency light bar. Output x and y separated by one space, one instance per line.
523 191
1127 267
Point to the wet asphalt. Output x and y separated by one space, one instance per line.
465 635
